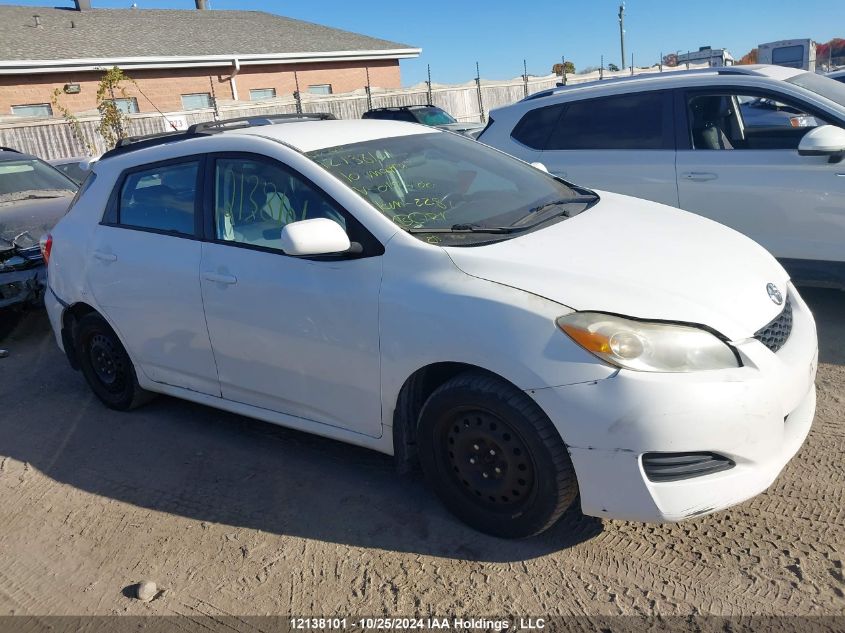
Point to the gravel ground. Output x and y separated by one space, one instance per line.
234 517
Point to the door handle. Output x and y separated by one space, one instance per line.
105 257
219 278
699 176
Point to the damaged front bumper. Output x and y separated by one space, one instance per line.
665 447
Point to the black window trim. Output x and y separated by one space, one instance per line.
111 216
371 246
682 125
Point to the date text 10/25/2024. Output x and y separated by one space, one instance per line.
423 624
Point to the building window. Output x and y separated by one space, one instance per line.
196 101
259 94
33 109
320 89
128 105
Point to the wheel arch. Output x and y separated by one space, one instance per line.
70 317
412 396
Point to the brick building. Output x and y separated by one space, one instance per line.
179 59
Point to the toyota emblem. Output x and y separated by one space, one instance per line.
774 294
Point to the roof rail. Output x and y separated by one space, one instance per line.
132 143
718 70
9 149
210 127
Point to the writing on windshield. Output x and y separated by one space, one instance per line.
437 180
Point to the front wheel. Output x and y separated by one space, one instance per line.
106 365
493 457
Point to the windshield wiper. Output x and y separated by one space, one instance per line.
467 228
532 213
516 227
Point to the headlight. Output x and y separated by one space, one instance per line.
644 346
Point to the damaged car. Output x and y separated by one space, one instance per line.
33 197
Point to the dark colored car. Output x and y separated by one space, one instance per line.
425 115
760 112
75 168
33 197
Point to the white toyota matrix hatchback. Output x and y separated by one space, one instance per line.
418 293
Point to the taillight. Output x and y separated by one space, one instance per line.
46 244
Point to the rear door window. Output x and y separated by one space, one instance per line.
641 120
160 198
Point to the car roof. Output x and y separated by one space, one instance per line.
670 79
304 132
307 136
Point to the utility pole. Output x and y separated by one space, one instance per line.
622 32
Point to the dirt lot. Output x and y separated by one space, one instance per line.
232 516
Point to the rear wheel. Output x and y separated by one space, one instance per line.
493 457
106 365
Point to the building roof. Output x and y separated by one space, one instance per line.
137 37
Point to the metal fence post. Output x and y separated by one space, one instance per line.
525 77
296 94
632 64
478 90
601 69
563 68
369 90
428 84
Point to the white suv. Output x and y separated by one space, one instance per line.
415 292
757 148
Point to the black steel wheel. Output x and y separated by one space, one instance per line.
493 457
106 365
489 459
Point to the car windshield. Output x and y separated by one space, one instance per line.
31 178
821 85
433 116
450 190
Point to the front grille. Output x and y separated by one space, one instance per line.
675 466
775 334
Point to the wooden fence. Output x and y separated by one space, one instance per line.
54 138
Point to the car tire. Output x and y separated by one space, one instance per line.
493 457
106 365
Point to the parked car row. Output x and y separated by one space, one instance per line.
526 339
416 292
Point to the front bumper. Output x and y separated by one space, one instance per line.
22 286
757 416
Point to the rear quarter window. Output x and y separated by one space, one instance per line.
535 127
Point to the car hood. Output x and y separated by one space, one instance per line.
35 216
640 259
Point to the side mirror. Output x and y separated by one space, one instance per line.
540 166
319 236
825 140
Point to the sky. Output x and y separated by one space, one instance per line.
500 34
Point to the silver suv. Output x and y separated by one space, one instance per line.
686 139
